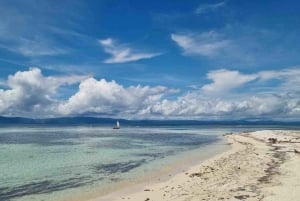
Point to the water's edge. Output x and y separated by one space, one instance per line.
84 162
180 163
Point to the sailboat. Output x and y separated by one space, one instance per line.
117 126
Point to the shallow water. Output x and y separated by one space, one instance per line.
51 163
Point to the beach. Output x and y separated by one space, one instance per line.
261 165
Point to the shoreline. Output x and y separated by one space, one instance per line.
255 168
178 164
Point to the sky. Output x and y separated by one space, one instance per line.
137 59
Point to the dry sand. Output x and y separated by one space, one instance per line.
262 165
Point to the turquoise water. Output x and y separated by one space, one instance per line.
52 163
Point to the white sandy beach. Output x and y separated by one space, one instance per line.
262 165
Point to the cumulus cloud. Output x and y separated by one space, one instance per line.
122 53
224 80
195 106
205 44
204 8
110 98
31 92
218 100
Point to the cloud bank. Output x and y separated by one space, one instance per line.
30 93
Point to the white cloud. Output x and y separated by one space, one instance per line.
226 46
205 44
31 93
224 80
196 106
280 74
290 76
122 53
218 100
204 8
110 98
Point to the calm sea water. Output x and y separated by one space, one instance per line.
52 163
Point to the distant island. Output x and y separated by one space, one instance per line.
143 122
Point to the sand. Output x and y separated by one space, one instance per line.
262 165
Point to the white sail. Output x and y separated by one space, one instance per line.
117 126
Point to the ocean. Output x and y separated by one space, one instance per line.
48 162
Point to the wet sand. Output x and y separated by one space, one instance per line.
262 165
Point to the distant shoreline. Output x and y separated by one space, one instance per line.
61 121
256 168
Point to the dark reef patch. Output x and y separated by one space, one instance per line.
120 167
46 186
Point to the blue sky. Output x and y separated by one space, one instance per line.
150 59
